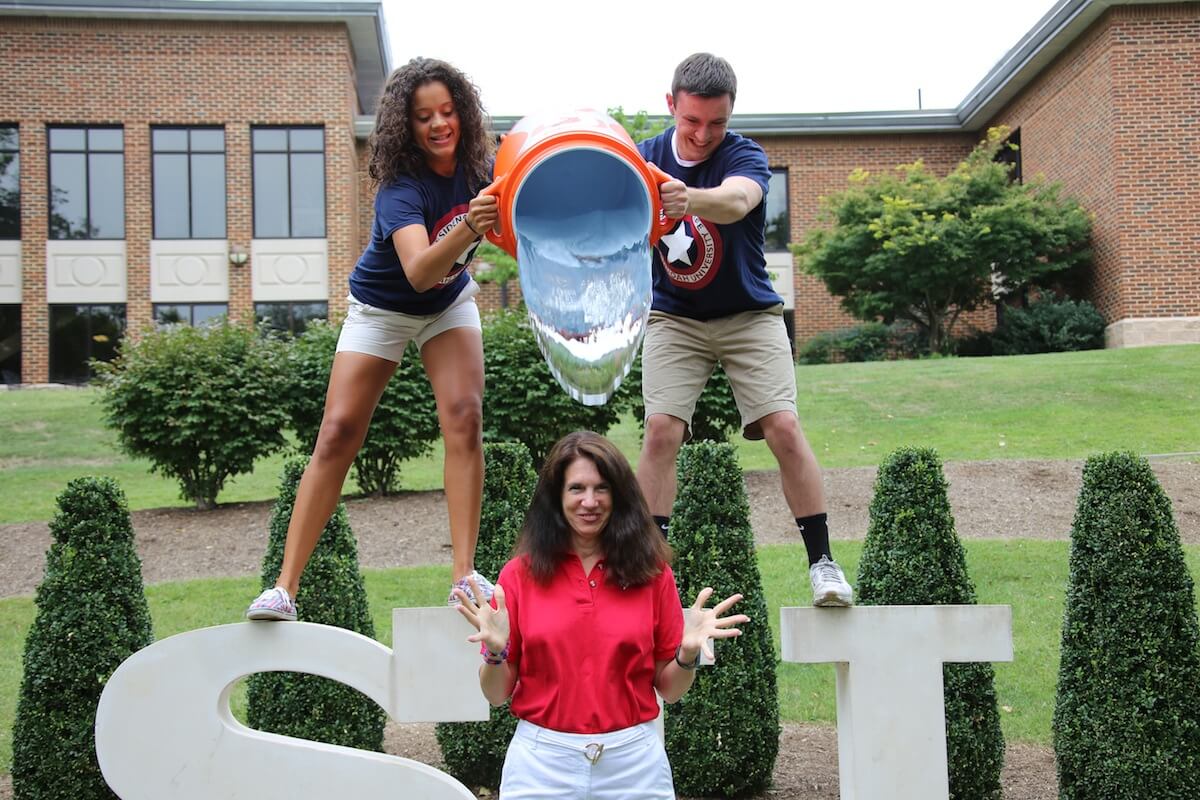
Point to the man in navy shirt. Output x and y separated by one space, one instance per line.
714 303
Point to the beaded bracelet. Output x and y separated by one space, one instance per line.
494 659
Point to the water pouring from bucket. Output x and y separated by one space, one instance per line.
580 211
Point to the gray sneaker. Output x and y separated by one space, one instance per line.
485 588
829 585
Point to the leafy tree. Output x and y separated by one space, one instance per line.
639 126
405 423
916 247
200 403
332 593
1127 714
522 402
91 616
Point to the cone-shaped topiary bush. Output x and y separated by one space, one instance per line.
723 736
1127 717
91 616
912 556
331 593
474 751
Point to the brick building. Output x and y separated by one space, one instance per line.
186 158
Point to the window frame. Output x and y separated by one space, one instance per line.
89 337
190 153
264 319
768 246
191 316
87 152
15 150
289 152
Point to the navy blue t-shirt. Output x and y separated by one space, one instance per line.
704 270
434 202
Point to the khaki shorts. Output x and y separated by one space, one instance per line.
384 334
680 354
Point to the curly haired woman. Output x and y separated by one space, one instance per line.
431 153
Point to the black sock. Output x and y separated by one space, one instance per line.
815 530
663 524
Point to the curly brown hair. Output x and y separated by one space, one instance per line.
394 152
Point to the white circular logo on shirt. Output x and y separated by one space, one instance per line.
691 254
443 226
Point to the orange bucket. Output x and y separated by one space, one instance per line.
536 142
579 209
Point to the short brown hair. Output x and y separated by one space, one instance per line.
705 75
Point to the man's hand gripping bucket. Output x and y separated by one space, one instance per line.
580 211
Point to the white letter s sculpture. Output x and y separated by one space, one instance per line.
164 728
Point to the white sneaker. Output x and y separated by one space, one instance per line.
273 605
485 588
829 585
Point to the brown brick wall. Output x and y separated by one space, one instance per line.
818 166
1156 102
143 73
1113 119
1065 117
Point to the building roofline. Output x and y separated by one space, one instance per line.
363 19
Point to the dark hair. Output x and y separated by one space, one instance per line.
633 546
394 152
705 75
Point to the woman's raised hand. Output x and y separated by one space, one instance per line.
709 623
491 623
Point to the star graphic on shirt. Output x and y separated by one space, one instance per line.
678 244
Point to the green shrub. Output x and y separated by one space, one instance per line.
912 556
331 593
91 616
522 401
716 418
723 736
200 403
1049 326
474 751
405 424
1127 716
870 341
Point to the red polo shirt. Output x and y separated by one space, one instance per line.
585 649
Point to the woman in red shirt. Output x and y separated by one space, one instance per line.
587 626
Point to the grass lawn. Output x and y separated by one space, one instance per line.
1063 405
1026 574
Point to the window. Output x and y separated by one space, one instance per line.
1010 153
189 183
10 344
10 183
289 183
188 314
290 317
778 225
87 183
81 333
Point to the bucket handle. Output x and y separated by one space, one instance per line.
662 223
502 239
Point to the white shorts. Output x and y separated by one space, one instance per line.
385 334
542 763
